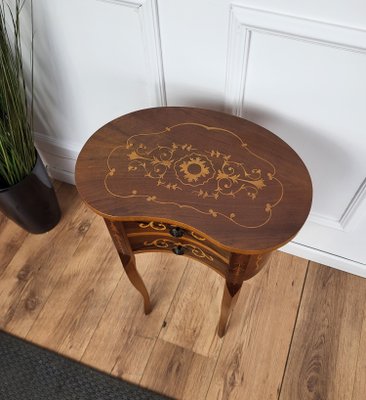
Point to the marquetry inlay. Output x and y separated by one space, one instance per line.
198 183
169 244
170 163
159 226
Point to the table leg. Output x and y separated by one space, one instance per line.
229 299
127 257
241 268
234 281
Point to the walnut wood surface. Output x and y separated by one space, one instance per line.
223 177
123 246
66 290
323 361
190 249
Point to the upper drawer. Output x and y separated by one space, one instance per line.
146 228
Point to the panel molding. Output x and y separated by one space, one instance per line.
60 155
148 15
350 217
326 221
126 3
243 22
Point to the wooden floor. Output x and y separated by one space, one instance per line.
298 330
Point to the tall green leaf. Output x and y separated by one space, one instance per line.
17 151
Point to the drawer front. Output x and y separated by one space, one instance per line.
173 231
179 246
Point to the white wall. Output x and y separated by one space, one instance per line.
297 68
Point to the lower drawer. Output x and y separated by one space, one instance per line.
179 246
164 229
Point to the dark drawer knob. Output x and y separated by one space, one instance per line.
176 231
179 250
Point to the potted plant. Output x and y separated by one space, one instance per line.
26 192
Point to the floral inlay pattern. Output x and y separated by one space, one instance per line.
194 169
159 226
170 161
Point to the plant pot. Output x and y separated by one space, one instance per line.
32 202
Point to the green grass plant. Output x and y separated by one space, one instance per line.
17 151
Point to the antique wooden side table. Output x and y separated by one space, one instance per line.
198 183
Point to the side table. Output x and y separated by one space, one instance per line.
204 184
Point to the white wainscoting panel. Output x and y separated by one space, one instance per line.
88 72
305 80
147 11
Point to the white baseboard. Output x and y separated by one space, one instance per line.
60 159
325 258
61 174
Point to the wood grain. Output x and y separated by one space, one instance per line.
359 384
255 348
123 247
226 178
193 315
89 311
222 181
34 270
323 358
125 336
178 372
280 269
77 303
11 239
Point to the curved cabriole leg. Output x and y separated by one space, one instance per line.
234 280
127 257
229 299
241 268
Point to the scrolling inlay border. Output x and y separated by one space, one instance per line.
252 184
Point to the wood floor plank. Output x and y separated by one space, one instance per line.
75 306
255 348
12 236
178 372
11 239
280 270
125 336
35 269
323 357
66 290
194 314
359 384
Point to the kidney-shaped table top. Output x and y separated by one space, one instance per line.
228 179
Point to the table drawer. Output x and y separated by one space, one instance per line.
179 246
174 232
